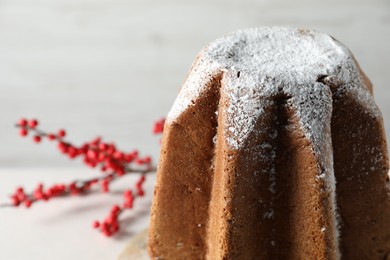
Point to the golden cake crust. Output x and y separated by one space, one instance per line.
274 149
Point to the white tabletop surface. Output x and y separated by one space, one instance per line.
61 229
112 67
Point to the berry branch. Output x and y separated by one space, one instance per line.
110 225
106 157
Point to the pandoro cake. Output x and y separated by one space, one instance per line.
274 149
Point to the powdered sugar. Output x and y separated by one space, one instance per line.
203 72
256 64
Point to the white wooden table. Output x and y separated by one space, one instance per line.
112 67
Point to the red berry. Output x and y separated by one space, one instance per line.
147 159
96 224
74 190
61 133
92 164
37 138
111 149
27 203
118 155
22 122
15 201
33 123
115 209
84 148
120 170
140 192
92 154
104 226
105 186
110 219
159 126
72 152
96 141
103 146
23 132
101 157
128 194
142 179
115 228
134 153
51 137
128 204
139 161
38 195
129 158
63 147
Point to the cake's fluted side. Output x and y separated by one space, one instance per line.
240 222
361 170
179 212
273 198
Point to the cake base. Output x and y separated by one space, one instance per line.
136 249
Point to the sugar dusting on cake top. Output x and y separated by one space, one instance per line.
262 62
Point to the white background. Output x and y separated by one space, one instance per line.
111 68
